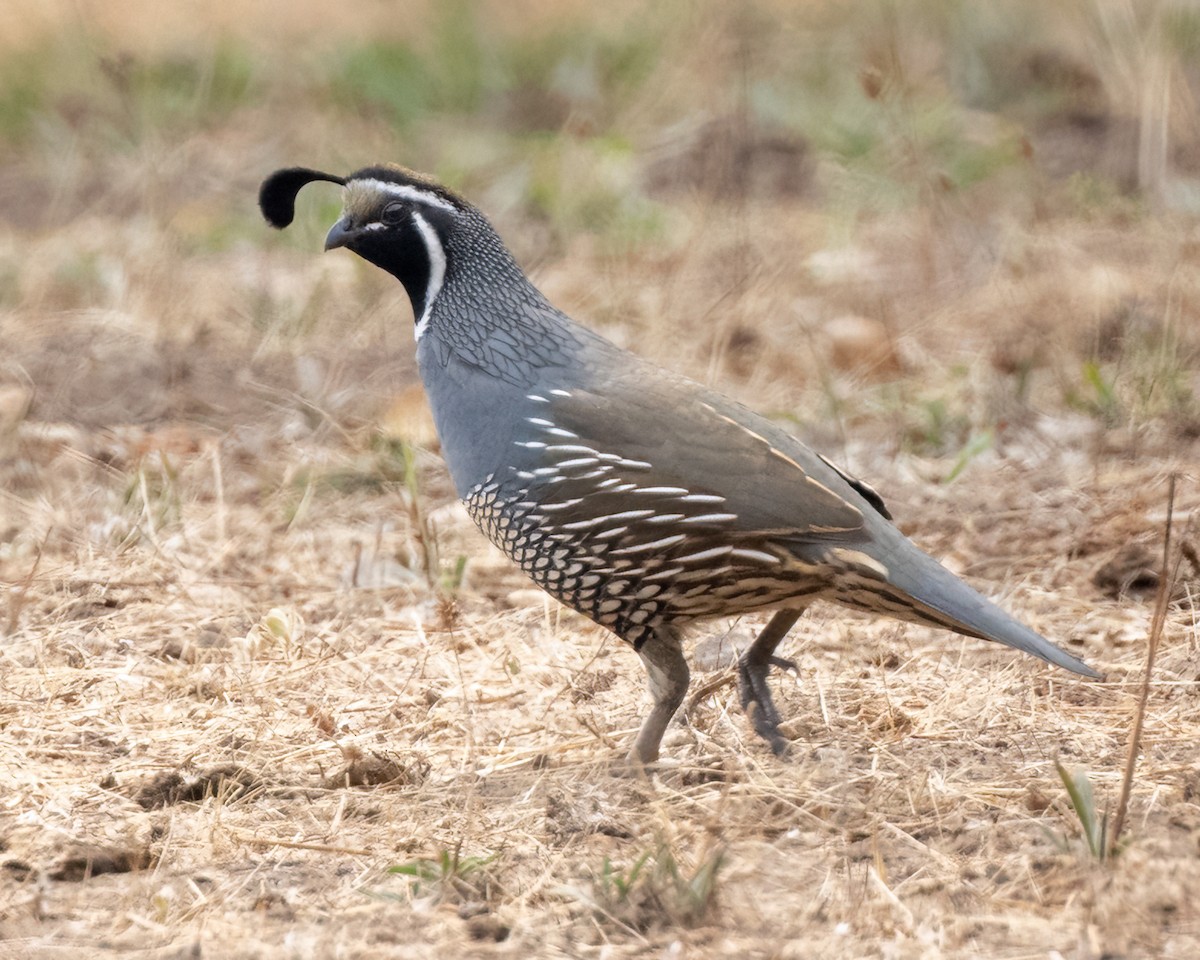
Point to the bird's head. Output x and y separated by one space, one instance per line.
392 217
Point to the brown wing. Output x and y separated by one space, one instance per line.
696 440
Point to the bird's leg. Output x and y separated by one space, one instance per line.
668 674
753 665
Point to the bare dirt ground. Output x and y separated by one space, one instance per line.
265 691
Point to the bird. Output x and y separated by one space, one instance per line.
631 494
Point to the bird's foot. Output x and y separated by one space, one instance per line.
758 704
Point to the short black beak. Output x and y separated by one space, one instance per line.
340 234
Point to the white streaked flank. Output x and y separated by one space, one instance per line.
561 505
859 559
758 556
578 462
705 555
656 545
570 448
597 521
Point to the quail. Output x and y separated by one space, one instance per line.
639 498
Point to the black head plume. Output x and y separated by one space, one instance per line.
277 195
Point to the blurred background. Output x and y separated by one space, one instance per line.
939 219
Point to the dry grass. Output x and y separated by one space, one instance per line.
920 816
241 677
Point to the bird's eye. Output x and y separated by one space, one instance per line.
394 212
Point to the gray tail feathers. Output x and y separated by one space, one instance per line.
949 602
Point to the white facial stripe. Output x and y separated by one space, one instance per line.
437 269
406 192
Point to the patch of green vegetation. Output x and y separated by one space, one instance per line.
523 89
449 71
1181 29
23 92
151 497
1160 375
450 876
1097 394
388 465
50 81
217 230
589 186
979 442
947 419
654 891
207 85
893 131
937 426
81 83
180 88
347 481
969 163
10 283
1090 196
1150 379
389 77
599 71
1092 822
464 67
916 151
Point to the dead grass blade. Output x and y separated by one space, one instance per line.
256 840
17 593
1166 584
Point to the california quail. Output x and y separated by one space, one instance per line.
637 497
